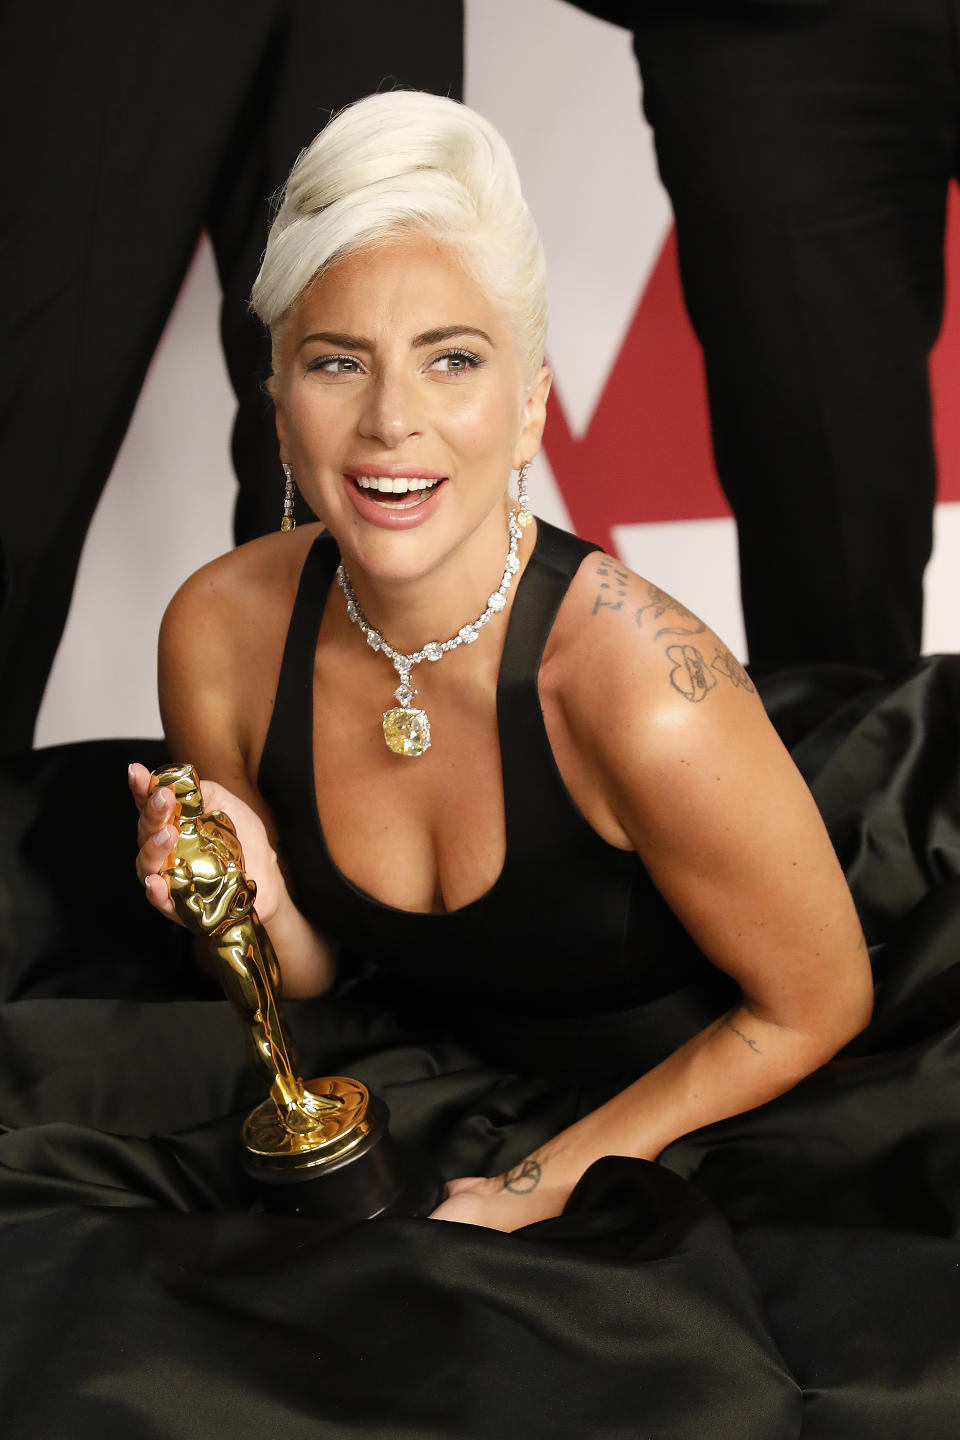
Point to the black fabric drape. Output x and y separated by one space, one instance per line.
790 1272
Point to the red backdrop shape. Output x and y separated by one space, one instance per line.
646 453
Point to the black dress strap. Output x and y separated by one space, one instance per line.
536 801
286 765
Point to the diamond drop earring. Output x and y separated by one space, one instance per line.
288 522
524 516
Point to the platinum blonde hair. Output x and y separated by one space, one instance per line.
399 162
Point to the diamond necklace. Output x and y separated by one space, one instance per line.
406 729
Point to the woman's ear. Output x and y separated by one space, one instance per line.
533 418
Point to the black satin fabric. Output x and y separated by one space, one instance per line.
794 1272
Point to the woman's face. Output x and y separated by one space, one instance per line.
401 407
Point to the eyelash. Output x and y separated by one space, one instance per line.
324 362
475 361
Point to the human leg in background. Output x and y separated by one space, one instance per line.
122 130
112 121
807 154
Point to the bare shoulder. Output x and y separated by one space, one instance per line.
243 596
641 680
618 626
245 589
654 722
221 641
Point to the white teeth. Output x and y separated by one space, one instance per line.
409 504
387 485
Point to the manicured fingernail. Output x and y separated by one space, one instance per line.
130 773
163 837
158 802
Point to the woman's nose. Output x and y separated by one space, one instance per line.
391 414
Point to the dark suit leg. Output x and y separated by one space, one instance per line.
807 160
113 119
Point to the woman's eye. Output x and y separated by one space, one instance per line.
453 362
336 365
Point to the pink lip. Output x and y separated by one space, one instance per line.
385 517
393 472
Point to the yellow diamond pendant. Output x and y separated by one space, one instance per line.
406 731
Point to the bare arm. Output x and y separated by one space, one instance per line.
212 677
697 782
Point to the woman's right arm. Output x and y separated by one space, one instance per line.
211 666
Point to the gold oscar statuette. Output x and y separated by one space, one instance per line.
322 1147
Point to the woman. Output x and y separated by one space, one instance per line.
584 749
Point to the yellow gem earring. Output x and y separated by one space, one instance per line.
524 516
288 522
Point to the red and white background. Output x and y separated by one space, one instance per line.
626 459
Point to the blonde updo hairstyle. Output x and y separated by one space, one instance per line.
399 162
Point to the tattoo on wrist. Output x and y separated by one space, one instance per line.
745 1038
524 1178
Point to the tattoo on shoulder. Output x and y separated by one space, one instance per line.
693 678
726 664
612 585
745 1038
524 1179
660 604
690 674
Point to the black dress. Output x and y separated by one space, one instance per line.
794 1271
571 961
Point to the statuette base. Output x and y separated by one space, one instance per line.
359 1173
336 1133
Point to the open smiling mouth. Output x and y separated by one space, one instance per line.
396 494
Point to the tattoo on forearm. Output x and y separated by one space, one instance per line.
690 675
613 585
745 1038
524 1179
660 604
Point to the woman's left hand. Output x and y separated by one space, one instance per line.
507 1202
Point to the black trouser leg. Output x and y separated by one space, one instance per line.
113 121
124 130
807 160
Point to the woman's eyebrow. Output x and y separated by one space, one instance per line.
333 337
428 337
447 332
